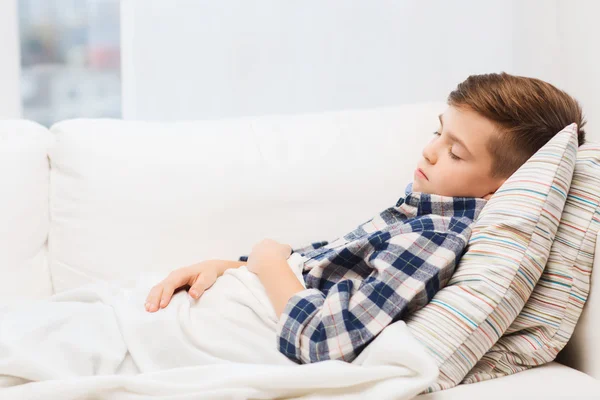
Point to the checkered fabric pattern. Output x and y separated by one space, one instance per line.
386 268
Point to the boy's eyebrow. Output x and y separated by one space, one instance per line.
454 138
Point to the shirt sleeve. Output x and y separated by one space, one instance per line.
405 272
302 250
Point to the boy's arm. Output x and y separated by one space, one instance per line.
301 250
314 327
224 265
280 282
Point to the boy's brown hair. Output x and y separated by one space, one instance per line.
527 111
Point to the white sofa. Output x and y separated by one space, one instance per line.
95 199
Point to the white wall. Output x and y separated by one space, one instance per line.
10 94
535 40
187 59
559 41
579 31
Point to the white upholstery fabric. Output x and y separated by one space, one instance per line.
131 196
23 211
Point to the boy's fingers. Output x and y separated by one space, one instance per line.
198 287
152 294
161 293
196 291
154 297
167 293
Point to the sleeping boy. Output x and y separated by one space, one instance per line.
394 263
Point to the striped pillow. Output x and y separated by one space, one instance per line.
548 319
507 251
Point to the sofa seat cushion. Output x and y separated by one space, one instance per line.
549 381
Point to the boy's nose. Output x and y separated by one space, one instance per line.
429 154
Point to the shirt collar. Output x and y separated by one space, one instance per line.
417 203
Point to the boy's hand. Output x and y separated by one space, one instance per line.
265 253
199 277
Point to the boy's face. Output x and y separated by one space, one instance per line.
457 162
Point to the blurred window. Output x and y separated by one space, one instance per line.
70 59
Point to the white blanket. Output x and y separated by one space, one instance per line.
98 342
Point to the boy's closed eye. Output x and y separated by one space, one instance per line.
452 155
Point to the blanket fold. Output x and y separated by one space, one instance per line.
98 341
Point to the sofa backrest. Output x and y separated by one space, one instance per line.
131 197
24 222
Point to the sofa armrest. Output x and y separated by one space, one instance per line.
582 352
549 381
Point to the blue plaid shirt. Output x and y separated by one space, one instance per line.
385 269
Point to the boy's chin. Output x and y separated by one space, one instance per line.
417 187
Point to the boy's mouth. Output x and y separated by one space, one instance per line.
420 174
